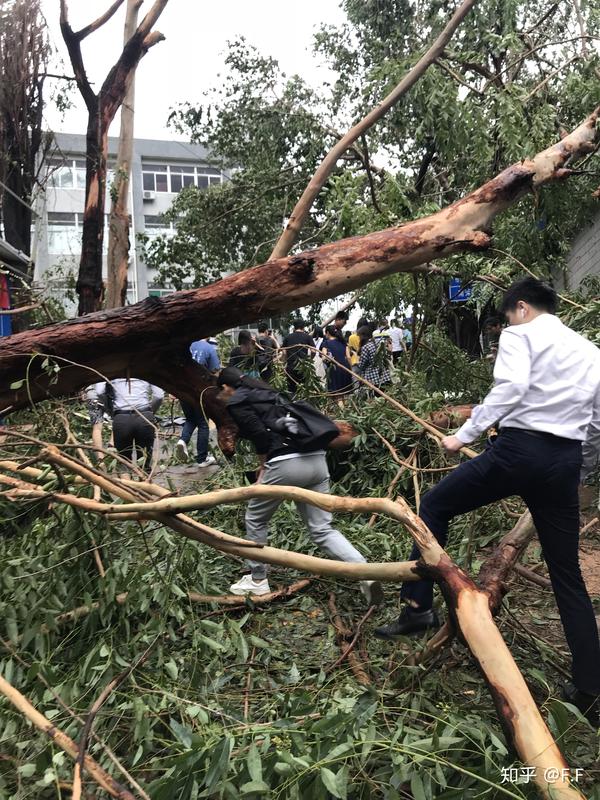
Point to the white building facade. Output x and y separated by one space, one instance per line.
159 170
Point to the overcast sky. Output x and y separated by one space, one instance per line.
191 58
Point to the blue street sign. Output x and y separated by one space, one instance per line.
456 293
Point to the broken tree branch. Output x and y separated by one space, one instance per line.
343 633
94 770
304 204
98 23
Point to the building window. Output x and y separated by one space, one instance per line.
65 231
60 173
159 291
70 173
157 226
156 178
64 235
174 177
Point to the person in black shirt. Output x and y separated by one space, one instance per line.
295 349
266 351
282 463
244 356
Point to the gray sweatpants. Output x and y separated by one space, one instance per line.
308 472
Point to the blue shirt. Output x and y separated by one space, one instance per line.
205 354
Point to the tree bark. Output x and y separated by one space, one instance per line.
102 108
150 340
118 233
304 204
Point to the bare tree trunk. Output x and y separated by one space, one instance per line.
90 287
102 107
118 231
302 208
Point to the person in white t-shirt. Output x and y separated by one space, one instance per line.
397 339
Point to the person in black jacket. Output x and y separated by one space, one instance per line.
249 402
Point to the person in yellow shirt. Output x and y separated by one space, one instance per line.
354 343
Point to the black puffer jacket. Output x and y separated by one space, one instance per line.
249 408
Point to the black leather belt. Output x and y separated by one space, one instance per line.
131 411
537 434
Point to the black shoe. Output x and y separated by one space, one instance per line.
409 621
588 704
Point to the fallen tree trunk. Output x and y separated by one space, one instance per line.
150 340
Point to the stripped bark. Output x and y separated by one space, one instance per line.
150 340
101 108
117 260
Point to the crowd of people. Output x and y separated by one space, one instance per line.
333 354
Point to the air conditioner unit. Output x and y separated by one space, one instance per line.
149 194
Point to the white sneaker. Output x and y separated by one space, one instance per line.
181 450
246 585
208 461
373 592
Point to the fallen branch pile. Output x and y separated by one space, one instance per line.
470 606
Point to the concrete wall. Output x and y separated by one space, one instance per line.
584 258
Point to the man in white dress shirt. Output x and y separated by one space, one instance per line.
546 402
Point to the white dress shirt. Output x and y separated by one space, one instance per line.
546 378
396 335
129 394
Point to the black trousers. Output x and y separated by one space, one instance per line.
544 471
137 429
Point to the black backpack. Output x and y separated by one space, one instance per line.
296 421
309 429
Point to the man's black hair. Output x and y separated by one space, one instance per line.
538 294
342 315
298 324
491 322
263 327
234 377
244 336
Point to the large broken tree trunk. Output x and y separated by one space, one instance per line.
118 226
150 340
102 107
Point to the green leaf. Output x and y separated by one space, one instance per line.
258 642
17 385
337 785
254 787
217 646
219 762
171 669
416 787
254 764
